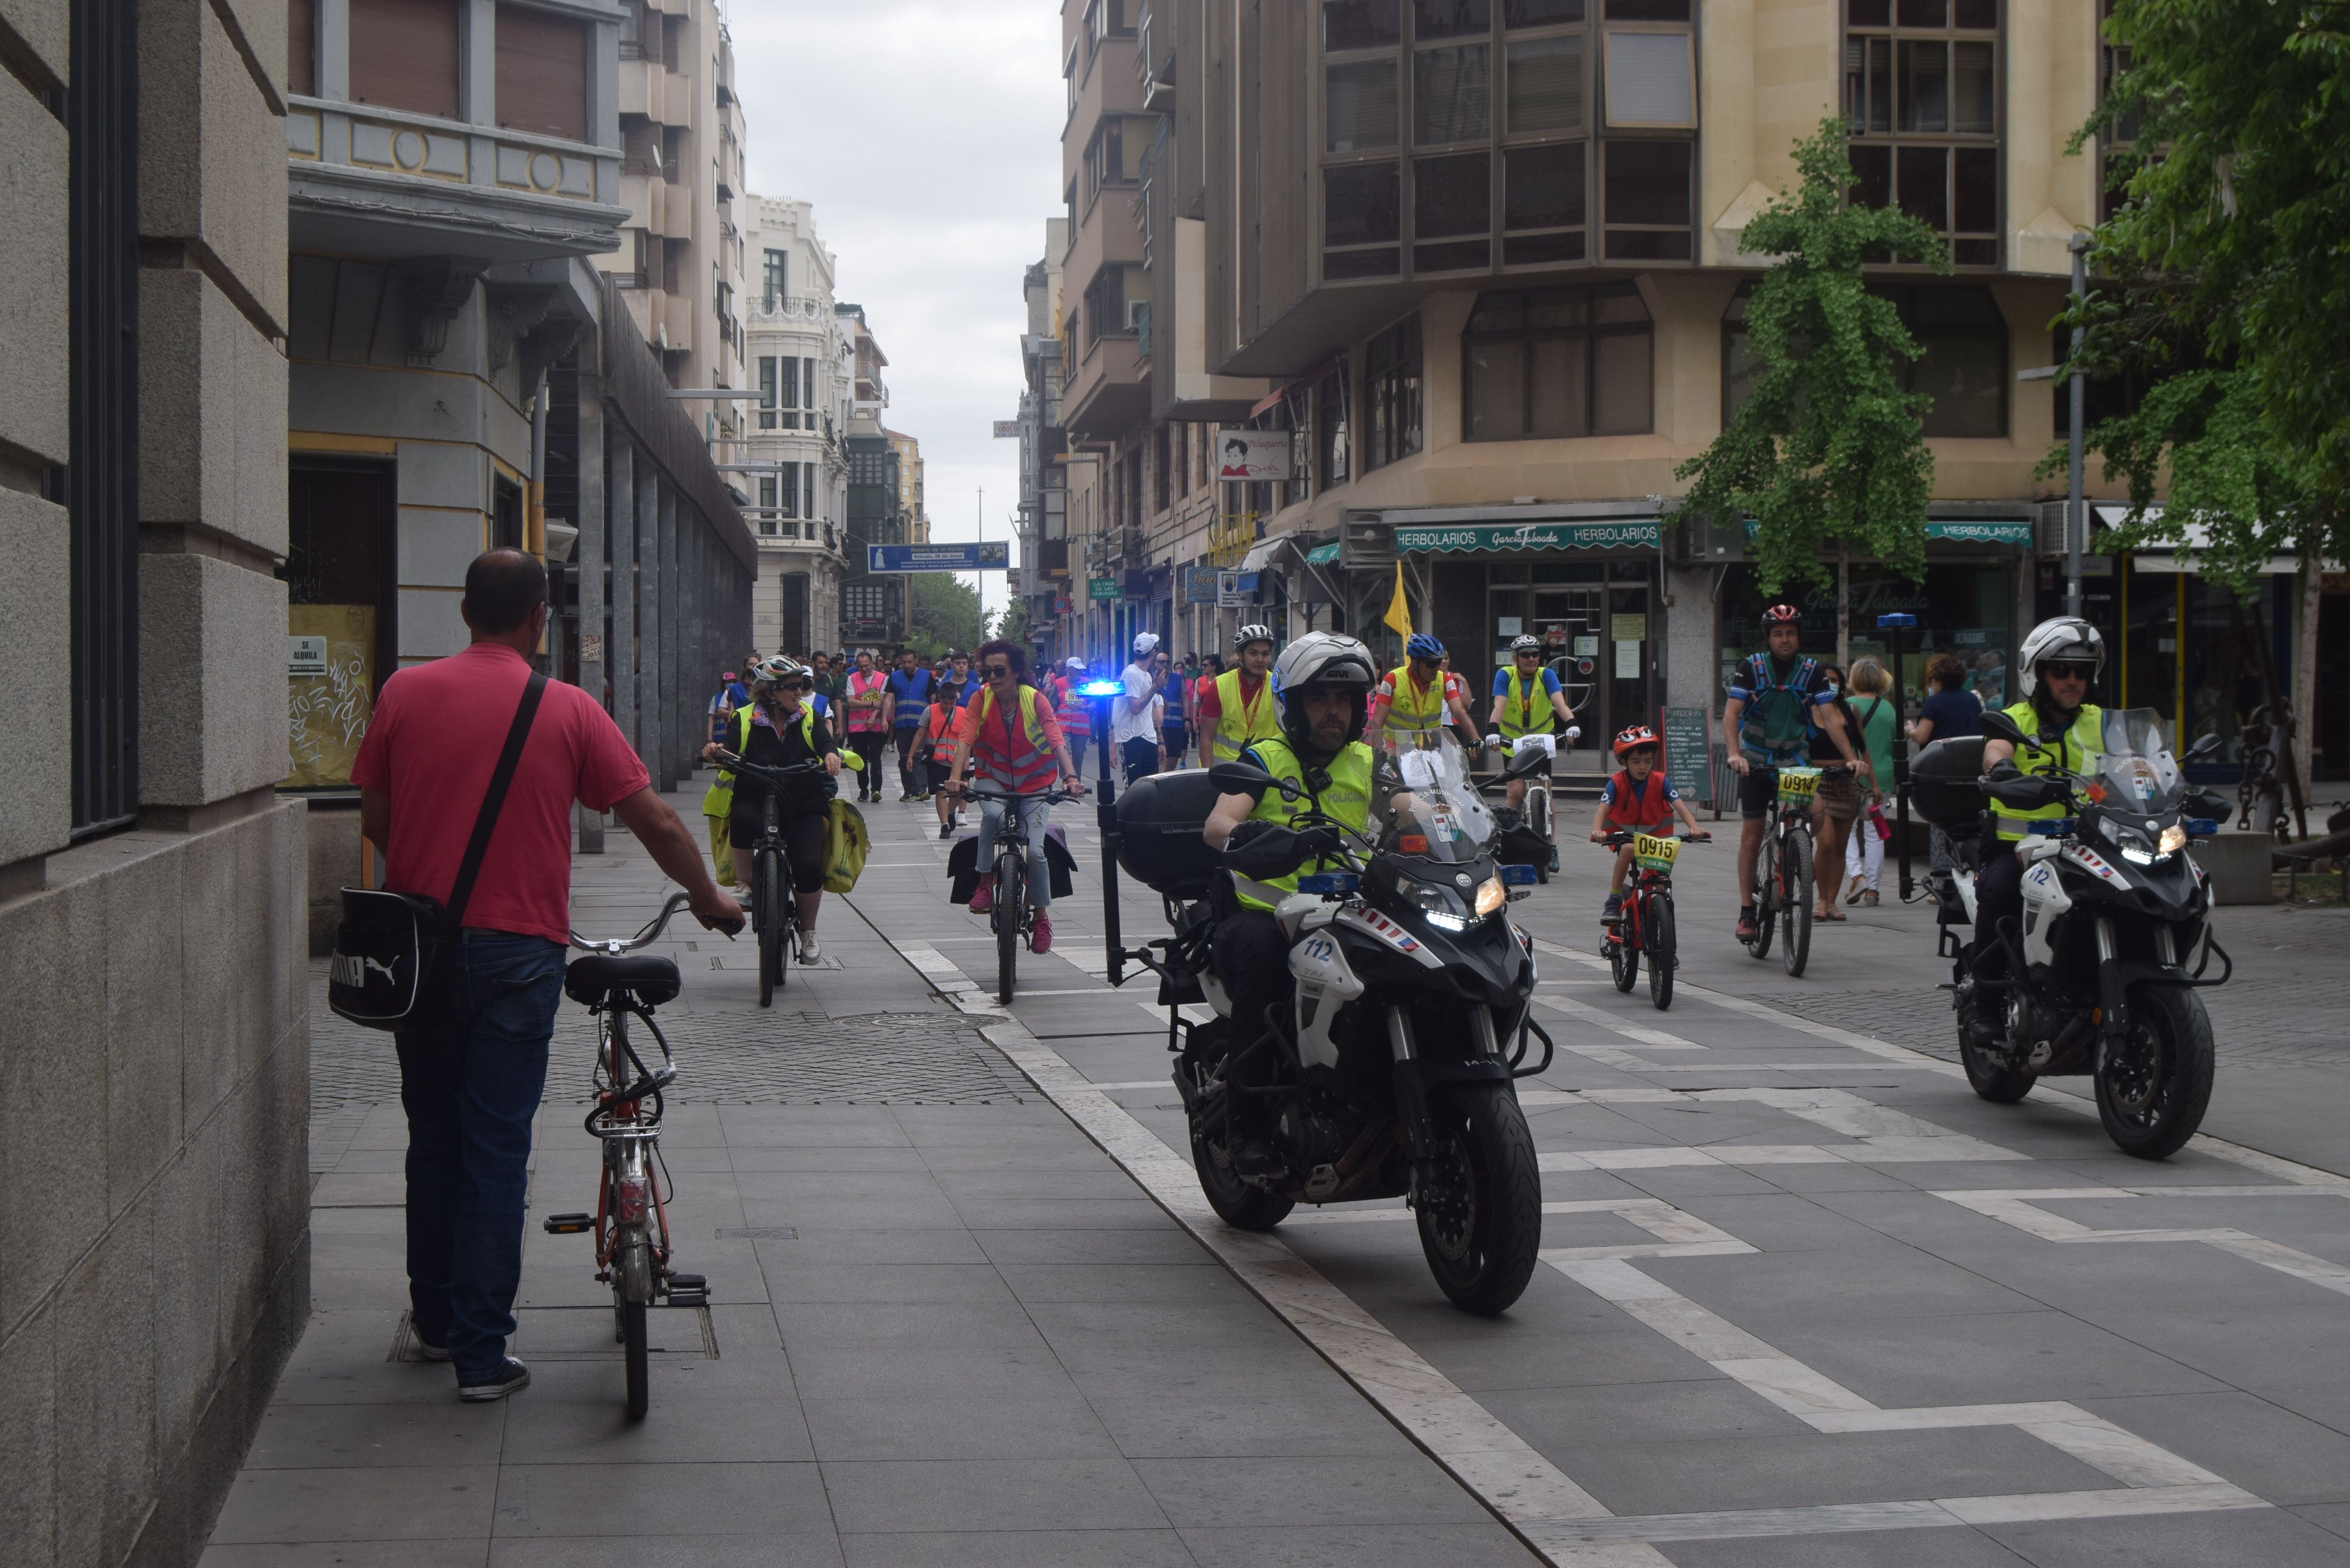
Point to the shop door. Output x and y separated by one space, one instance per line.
1628 630
1568 620
340 588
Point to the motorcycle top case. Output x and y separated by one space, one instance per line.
963 865
1160 818
1942 781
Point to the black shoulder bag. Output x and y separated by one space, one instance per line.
390 968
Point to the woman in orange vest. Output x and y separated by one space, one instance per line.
1011 737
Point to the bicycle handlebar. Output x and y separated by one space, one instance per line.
643 939
1623 836
981 792
733 763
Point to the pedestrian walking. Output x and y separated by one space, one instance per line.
867 693
1864 852
471 1078
1950 712
732 695
909 694
1836 806
1135 713
1076 710
1174 692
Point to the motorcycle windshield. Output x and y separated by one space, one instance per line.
1426 804
2137 772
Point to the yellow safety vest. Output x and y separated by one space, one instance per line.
1346 798
1238 724
718 800
2075 750
1518 705
1422 711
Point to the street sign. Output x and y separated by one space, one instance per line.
1229 593
1685 753
990 556
1101 588
1200 586
1007 429
1251 454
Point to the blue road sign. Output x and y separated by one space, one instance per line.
991 556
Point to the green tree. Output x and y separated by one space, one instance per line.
946 616
1011 622
1826 454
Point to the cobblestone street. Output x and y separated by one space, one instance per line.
1806 1300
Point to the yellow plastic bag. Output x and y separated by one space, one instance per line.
846 842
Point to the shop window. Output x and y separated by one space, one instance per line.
1921 96
404 55
1557 362
542 73
1647 201
1391 394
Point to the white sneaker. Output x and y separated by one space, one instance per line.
809 952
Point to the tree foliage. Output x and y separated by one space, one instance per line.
1826 454
1011 622
946 615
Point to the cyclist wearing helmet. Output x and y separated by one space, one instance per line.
2058 663
780 729
1528 701
1639 798
1776 701
1418 695
1320 683
1237 708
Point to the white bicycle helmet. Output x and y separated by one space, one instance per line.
1249 634
2065 637
1316 659
776 667
1528 644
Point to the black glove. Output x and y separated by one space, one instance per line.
1262 849
1318 841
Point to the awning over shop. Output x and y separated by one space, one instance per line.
2179 556
1469 538
1960 530
1323 555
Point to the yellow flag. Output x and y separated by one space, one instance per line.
1399 614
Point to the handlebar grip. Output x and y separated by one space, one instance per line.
729 928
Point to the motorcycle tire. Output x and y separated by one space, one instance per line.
1796 886
1765 894
1990 1078
2153 1088
1011 911
1480 1216
1659 921
1623 957
1237 1203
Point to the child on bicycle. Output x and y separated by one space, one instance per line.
932 745
1639 799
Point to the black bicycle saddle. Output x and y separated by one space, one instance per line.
652 981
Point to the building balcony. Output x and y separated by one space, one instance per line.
1110 391
662 96
785 308
676 318
367 180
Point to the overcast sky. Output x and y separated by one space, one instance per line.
927 132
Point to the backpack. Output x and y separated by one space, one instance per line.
846 842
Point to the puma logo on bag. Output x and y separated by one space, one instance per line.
348 970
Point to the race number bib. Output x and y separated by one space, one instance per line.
1654 854
1798 784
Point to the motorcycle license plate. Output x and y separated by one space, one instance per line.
1654 854
1798 784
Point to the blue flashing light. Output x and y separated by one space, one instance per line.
1101 688
1897 618
2201 827
1518 876
2049 827
1329 882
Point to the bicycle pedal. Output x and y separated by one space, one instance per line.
688 1291
567 1224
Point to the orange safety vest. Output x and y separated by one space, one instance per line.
1638 808
1027 765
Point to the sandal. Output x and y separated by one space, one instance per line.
1828 913
1868 897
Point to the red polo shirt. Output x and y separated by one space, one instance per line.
432 746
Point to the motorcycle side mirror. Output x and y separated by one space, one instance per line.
1999 727
1240 778
2207 803
2204 746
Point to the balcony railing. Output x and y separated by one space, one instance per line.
789 308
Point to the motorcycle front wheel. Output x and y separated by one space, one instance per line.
1479 1212
2154 1082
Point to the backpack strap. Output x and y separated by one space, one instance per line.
493 802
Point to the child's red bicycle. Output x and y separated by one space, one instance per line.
1644 924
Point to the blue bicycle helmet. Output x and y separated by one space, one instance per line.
1422 646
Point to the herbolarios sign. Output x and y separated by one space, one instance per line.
1628 534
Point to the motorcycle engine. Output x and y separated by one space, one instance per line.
2030 1029
1316 1130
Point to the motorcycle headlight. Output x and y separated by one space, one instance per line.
1440 907
1490 897
2173 840
2133 845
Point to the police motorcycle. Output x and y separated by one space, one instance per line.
2097 978
1394 1074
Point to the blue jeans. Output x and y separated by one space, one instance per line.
470 1086
1034 810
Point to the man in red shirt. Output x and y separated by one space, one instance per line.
472 1082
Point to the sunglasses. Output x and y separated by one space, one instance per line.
993 670
2066 669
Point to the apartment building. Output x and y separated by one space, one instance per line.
1041 574
792 460
910 498
875 609
1480 262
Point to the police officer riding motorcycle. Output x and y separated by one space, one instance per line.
1342 914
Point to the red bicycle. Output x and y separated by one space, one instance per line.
1644 924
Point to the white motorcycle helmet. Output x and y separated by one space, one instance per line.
1322 658
2065 637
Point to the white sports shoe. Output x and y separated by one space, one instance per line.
809 952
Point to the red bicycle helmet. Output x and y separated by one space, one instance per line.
1782 614
1634 738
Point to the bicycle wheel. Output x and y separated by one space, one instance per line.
1624 945
769 872
634 1347
1659 921
1765 895
1795 889
1538 818
1011 914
